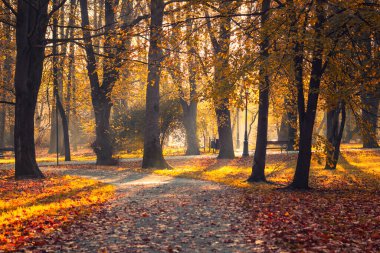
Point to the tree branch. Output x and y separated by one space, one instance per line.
9 6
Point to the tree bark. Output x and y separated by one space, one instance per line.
7 77
71 82
190 109
259 159
53 131
190 124
222 86
371 102
153 156
57 78
291 123
307 118
30 36
370 94
101 94
3 108
334 135
223 117
350 129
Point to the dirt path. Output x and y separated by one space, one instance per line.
161 214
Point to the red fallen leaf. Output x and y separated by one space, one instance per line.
375 235
144 214
39 243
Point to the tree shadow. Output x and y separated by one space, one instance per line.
48 199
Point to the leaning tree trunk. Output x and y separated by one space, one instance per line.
258 168
30 35
259 159
153 156
334 135
65 128
307 117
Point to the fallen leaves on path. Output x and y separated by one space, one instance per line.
341 213
30 209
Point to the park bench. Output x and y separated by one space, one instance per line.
277 144
214 145
6 149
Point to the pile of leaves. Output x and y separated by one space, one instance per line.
30 209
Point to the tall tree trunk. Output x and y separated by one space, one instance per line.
282 130
6 80
53 131
190 109
153 156
291 123
350 129
334 135
370 94
71 82
223 117
101 94
3 108
30 36
57 81
258 168
307 117
371 102
222 84
190 124
237 128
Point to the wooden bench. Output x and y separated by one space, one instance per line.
8 149
281 144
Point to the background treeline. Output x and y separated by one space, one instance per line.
124 75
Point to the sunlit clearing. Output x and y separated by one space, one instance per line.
31 208
355 169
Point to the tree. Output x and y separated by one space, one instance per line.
6 81
306 114
57 77
370 93
31 28
188 99
222 87
334 134
101 92
101 100
258 168
153 156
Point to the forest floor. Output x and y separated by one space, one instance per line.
205 205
